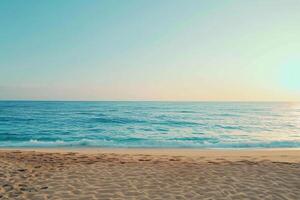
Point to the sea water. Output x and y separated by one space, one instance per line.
149 124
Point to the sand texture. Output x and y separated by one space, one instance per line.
132 175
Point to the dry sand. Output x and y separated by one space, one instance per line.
149 174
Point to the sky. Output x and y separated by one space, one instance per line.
174 50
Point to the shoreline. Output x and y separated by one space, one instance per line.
272 154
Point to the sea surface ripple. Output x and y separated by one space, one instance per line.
149 124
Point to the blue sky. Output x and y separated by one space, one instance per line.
150 50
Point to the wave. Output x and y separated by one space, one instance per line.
15 119
115 120
143 143
177 123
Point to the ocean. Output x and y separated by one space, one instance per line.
149 124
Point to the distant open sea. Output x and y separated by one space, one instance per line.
149 124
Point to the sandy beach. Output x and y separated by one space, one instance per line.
149 174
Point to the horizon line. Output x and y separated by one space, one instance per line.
191 101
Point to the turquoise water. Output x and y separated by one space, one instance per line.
149 124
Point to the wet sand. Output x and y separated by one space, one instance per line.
149 174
